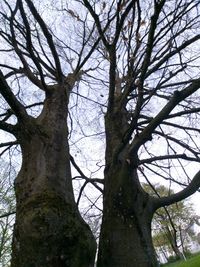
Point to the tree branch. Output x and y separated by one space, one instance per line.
166 157
18 109
7 127
97 21
88 180
172 53
12 40
30 45
49 38
186 192
149 47
7 214
11 143
177 97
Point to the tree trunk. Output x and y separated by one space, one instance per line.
173 242
125 239
49 231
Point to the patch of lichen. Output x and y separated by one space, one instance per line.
48 199
50 232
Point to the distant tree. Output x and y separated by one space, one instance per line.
7 211
171 225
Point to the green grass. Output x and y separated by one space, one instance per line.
192 262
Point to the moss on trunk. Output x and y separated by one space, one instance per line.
49 232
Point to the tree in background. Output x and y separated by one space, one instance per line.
7 211
172 226
133 63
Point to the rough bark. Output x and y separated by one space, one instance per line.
49 230
125 239
126 228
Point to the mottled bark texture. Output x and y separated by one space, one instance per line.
125 239
49 231
126 228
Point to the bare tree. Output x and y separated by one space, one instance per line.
49 230
171 225
7 211
151 48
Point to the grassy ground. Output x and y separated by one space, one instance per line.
192 262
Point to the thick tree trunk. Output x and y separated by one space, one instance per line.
125 239
49 231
